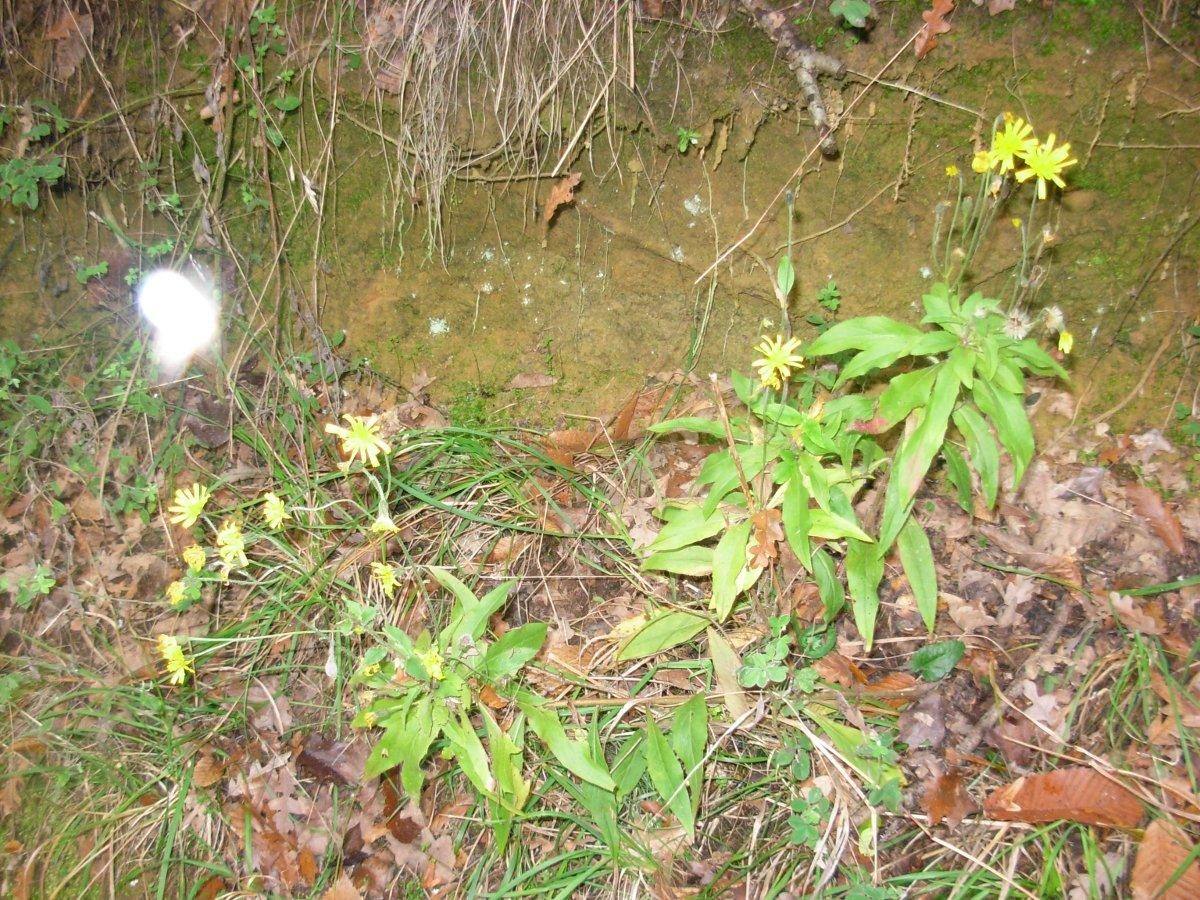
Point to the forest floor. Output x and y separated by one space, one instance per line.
546 643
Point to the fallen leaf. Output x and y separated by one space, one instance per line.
528 380
1163 849
1078 794
945 798
327 759
935 24
207 771
71 34
342 889
561 194
725 667
995 7
1164 523
768 532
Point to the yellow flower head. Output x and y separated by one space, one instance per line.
1066 342
981 161
194 557
370 718
273 510
176 593
951 171
778 359
385 574
432 661
384 524
1011 143
1047 163
178 665
231 544
1016 222
360 438
188 505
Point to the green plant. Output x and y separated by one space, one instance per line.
27 588
808 812
829 296
854 13
21 180
685 138
85 273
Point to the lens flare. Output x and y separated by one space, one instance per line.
183 316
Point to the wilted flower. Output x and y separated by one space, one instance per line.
1017 325
231 544
176 593
178 665
273 510
385 574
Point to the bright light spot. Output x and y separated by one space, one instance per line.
183 315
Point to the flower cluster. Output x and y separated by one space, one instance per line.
1015 144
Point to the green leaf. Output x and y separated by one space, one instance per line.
629 764
694 561
729 559
849 742
915 454
985 455
905 392
864 571
785 276
959 475
833 594
916 557
689 736
666 629
797 521
688 525
935 661
666 774
512 650
695 424
469 754
1007 412
1037 359
286 104
833 527
574 755
862 333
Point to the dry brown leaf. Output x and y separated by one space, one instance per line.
946 798
995 7
528 380
208 771
726 663
342 889
1164 523
1163 849
70 33
768 532
935 24
1078 794
561 194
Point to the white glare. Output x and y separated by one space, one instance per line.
183 316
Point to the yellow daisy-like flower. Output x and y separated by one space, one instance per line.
778 359
360 438
231 544
1047 163
194 557
176 593
385 574
1011 143
370 718
274 511
432 661
981 161
178 665
188 505
951 171
1066 342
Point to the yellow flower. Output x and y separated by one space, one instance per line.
1013 142
178 665
981 161
360 438
386 576
195 557
1047 163
370 718
778 358
1016 222
188 505
383 524
274 512
432 661
1066 342
176 593
231 544
951 171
